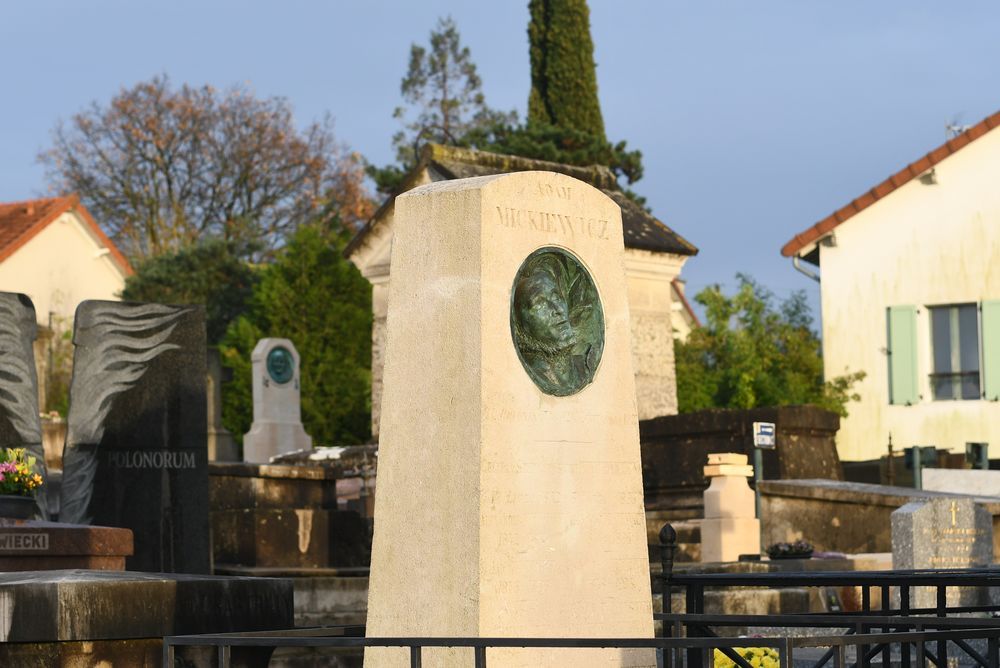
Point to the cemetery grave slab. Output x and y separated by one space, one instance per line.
283 537
30 545
85 615
847 517
237 485
283 516
943 532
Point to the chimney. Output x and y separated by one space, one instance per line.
30 209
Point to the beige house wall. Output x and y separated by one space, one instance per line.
934 241
60 267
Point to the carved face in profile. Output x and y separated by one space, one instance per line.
556 321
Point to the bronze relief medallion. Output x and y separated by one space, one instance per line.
280 365
556 321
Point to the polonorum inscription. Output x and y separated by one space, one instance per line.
151 459
556 321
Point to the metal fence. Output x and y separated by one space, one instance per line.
920 636
897 622
677 651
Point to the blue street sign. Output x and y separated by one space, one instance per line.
763 435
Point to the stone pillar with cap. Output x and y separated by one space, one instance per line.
509 497
277 403
730 527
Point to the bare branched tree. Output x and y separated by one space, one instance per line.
161 167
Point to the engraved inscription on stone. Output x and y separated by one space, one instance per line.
152 459
556 321
544 221
953 543
12 542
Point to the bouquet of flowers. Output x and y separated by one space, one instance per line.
17 473
758 657
799 549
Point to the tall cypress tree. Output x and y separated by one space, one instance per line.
563 80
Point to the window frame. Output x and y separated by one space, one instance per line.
931 374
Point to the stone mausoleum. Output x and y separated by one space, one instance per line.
654 256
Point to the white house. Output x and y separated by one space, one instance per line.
654 255
910 290
53 251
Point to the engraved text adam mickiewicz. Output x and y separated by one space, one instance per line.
543 221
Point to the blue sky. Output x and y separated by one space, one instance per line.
755 119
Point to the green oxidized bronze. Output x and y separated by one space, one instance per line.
556 321
280 365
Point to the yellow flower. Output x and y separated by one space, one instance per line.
758 657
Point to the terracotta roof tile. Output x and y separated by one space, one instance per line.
897 180
21 221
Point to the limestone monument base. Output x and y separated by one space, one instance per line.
509 497
277 403
730 527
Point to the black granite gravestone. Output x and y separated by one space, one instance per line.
20 426
136 453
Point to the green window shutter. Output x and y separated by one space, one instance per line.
990 319
903 355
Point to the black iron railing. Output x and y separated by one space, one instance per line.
895 614
921 635
674 648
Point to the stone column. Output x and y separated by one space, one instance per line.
509 499
650 304
379 278
730 527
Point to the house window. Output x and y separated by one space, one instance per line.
955 346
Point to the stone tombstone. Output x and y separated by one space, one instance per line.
942 532
221 444
277 403
20 424
136 454
509 497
